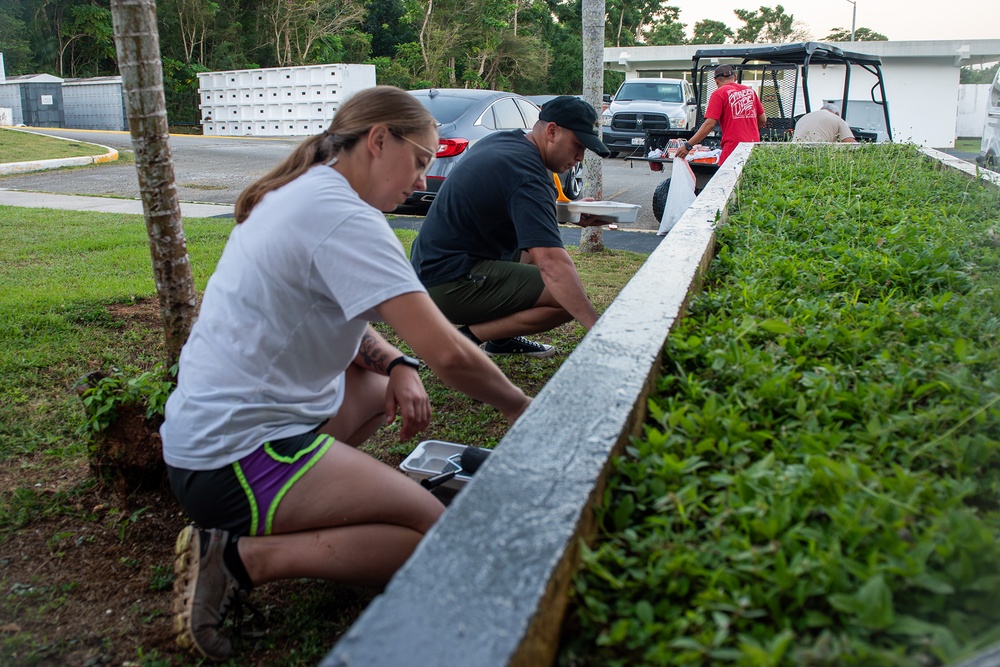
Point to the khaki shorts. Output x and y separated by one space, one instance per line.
493 289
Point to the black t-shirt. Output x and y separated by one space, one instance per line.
498 200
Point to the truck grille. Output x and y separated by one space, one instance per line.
639 122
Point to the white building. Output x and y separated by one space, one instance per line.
921 79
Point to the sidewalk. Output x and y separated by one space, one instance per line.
103 204
634 241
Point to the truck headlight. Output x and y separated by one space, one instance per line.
606 118
678 123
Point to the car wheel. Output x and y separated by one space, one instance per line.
660 199
572 182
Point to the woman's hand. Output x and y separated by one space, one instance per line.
407 392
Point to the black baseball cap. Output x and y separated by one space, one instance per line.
574 114
724 71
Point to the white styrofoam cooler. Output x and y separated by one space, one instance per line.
432 457
609 211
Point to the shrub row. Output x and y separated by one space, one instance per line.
818 479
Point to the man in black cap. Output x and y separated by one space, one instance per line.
735 108
489 250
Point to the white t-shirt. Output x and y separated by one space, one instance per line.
281 319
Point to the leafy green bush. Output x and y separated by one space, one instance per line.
818 480
145 391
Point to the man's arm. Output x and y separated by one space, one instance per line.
564 284
761 121
846 133
702 132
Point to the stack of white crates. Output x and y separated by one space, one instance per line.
279 101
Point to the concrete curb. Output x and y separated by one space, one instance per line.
41 165
962 165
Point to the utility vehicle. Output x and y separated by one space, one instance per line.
781 75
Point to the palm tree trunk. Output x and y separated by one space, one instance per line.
138 46
592 238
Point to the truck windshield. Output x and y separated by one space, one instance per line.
659 92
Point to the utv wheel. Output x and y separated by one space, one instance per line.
660 199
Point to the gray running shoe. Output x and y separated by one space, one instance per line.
518 345
204 590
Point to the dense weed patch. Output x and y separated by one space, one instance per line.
818 479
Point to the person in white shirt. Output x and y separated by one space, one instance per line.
283 377
823 125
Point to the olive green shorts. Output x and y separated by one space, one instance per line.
492 289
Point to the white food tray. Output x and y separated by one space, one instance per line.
432 457
610 211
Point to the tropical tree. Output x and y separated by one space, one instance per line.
194 22
87 41
769 26
296 27
711 32
138 47
666 30
16 49
385 21
978 75
860 35
628 20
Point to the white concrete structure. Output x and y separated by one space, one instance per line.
921 79
973 100
277 101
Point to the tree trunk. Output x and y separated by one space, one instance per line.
138 46
592 238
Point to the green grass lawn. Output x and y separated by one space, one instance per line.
19 146
77 295
968 144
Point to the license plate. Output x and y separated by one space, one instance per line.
638 141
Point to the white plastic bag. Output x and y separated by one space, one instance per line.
680 195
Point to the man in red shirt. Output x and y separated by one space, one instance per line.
733 106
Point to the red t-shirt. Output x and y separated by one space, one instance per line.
736 108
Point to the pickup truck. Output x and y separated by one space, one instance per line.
646 104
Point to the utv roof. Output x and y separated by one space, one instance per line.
802 53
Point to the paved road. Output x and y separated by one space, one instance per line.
216 169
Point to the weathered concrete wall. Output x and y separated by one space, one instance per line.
487 586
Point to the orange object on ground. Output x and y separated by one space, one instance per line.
560 196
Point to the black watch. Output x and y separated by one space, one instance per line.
687 145
405 360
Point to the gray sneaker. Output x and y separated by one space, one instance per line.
518 345
204 590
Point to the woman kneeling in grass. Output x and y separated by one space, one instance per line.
282 376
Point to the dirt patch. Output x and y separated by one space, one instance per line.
92 586
141 311
86 567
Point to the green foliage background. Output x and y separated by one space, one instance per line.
528 46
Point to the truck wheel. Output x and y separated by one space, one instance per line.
660 199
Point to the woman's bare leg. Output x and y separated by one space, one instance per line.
350 518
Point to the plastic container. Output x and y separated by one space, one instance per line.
611 212
432 457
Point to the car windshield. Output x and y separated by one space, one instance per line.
660 92
445 109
